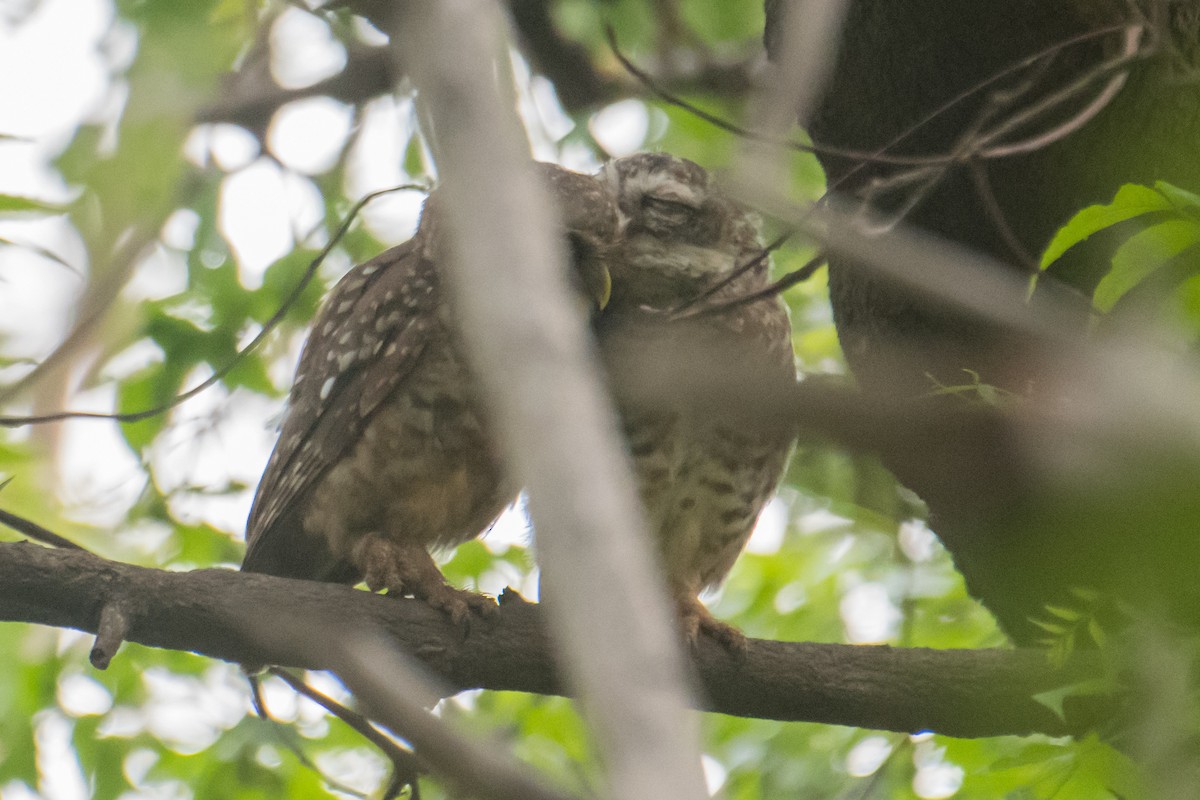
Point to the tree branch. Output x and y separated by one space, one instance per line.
966 693
553 421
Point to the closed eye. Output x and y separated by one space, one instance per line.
669 210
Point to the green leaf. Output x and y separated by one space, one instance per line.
470 560
1097 632
1069 614
1184 201
719 20
414 156
1054 698
1049 627
147 389
1132 200
41 251
279 281
1143 254
251 373
11 204
1120 774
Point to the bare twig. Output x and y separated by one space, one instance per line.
738 271
288 739
113 628
881 155
778 287
1115 68
397 692
406 766
983 188
372 669
221 372
721 123
33 530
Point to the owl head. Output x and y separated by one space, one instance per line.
680 232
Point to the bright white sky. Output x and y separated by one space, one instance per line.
64 52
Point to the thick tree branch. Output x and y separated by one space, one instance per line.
967 693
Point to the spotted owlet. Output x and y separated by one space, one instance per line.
385 452
703 479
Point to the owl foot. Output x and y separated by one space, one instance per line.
697 619
407 568
457 604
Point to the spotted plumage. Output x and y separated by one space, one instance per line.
703 479
385 451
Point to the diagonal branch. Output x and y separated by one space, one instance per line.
555 425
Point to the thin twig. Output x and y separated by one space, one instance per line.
864 157
983 188
276 318
778 287
33 530
407 765
288 739
738 272
1129 54
723 124
972 145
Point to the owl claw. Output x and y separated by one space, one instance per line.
458 604
726 635
402 568
697 619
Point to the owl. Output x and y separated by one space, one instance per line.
703 478
386 452
386 455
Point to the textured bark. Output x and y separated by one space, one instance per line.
214 612
1021 539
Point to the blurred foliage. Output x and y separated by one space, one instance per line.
1154 263
168 724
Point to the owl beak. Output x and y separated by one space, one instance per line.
603 289
591 275
597 289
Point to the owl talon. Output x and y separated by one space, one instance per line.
403 568
726 635
697 619
459 605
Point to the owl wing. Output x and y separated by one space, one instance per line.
365 343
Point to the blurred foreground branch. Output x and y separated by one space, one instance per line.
965 693
555 423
